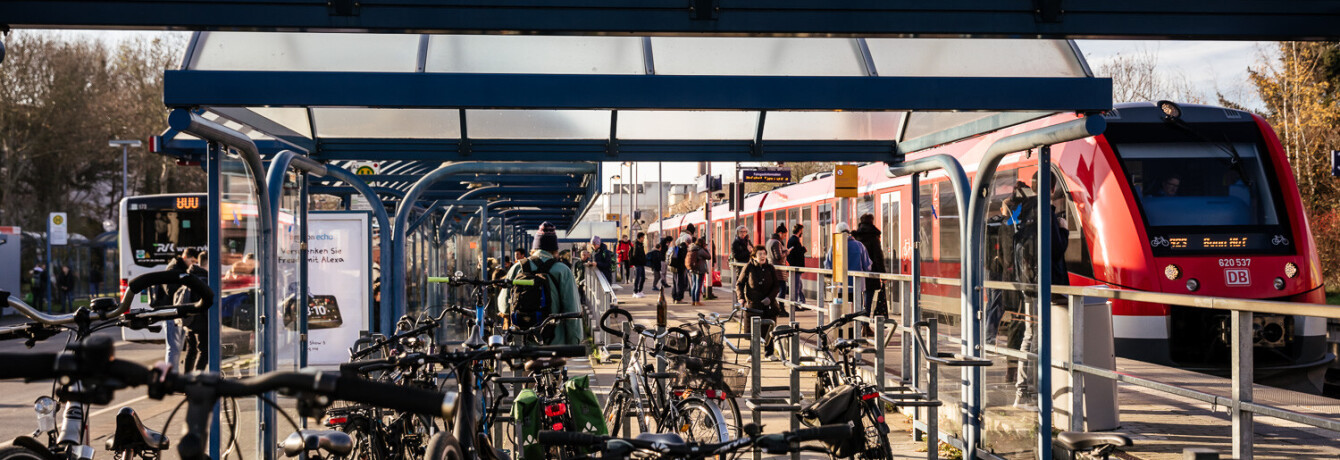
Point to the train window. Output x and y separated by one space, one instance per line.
825 232
865 205
768 226
892 237
792 219
950 234
807 219
1199 184
926 213
1077 258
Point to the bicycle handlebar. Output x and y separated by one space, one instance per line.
197 286
476 282
787 330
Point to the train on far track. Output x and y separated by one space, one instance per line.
1198 201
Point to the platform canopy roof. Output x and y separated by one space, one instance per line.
407 103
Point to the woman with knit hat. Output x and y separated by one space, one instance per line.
563 286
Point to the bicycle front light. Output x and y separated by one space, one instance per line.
46 413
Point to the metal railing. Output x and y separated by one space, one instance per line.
597 298
1240 402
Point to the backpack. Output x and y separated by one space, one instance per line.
838 405
680 252
530 305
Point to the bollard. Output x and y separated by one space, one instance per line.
932 390
795 382
756 372
879 354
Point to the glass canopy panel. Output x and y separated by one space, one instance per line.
961 57
285 51
687 125
849 126
334 122
772 56
293 118
534 54
538 124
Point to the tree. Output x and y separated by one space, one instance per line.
1299 89
1136 77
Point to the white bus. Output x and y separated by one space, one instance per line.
153 229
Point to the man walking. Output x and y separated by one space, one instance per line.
740 253
638 260
795 257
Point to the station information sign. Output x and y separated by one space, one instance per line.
767 176
1219 243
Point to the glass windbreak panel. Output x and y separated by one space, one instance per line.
1002 219
859 126
976 57
757 56
538 124
239 230
333 122
926 213
951 237
923 123
686 125
285 51
534 54
293 118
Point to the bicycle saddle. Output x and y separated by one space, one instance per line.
335 442
1075 440
663 438
539 364
132 435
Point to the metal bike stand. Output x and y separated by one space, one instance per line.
929 347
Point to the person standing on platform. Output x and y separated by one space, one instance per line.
161 296
679 267
656 261
777 256
65 283
603 258
527 306
697 262
638 260
739 254
37 285
758 287
623 249
94 280
857 260
195 337
795 257
868 234
1027 270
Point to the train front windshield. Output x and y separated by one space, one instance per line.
1206 197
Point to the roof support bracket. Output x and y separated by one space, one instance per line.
704 9
756 149
612 147
464 146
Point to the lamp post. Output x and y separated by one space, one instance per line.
614 187
125 156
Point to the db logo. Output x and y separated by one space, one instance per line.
1237 277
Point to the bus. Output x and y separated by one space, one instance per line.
153 229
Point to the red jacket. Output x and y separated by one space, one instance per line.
623 249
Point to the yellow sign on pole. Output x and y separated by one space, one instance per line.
845 181
839 259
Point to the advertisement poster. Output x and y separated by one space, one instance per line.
339 284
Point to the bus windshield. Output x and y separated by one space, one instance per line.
156 234
1197 184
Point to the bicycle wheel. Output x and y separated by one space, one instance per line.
730 410
20 453
876 432
616 408
699 421
367 446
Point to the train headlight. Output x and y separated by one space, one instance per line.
1170 109
1290 270
1173 272
1279 284
1192 285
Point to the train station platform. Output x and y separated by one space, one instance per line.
1161 424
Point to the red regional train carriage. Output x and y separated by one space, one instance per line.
1204 203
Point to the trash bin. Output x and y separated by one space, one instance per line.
1100 394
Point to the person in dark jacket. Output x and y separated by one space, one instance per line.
679 268
638 260
65 287
739 254
603 257
161 296
777 255
37 285
757 286
868 234
795 257
656 260
195 340
95 280
697 263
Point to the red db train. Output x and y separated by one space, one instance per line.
1203 203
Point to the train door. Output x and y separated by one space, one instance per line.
891 212
825 231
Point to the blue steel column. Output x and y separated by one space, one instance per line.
1044 303
302 302
213 170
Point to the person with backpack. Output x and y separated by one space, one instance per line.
857 260
656 261
697 264
795 257
740 254
638 260
553 291
679 267
1027 268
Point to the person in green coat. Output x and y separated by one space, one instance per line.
563 287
